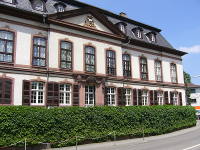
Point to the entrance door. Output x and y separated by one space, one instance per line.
89 95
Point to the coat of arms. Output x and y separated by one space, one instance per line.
89 22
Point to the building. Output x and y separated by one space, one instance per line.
68 53
195 95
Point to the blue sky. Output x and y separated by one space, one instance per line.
178 19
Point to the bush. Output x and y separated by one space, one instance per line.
38 124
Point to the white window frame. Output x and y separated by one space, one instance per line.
139 33
158 70
128 96
160 97
175 98
65 93
111 96
37 91
89 91
145 98
173 72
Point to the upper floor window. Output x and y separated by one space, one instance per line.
126 65
37 93
122 26
143 68
66 55
138 32
65 94
173 71
60 7
110 62
6 46
89 59
39 52
111 96
144 97
38 5
151 36
158 70
5 91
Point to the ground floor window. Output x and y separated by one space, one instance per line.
128 97
89 95
37 93
144 97
5 91
175 98
65 94
160 98
111 96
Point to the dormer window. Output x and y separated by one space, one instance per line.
38 5
151 36
138 32
9 1
122 26
60 7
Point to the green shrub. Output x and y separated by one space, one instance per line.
58 124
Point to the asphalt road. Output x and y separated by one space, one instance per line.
188 139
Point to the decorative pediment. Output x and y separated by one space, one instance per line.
86 18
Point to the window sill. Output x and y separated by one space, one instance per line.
7 63
39 67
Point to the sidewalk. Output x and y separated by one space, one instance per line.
130 141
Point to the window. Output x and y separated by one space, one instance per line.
89 95
143 68
158 70
60 7
111 92
39 51
138 32
122 26
173 73
38 5
128 97
89 59
9 1
37 93
175 98
126 65
6 46
160 97
192 90
65 94
66 55
5 91
110 62
144 97
151 36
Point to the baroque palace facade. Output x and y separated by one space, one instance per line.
68 53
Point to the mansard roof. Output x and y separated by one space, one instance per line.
72 5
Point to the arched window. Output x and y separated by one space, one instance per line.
110 62
138 32
90 59
143 68
122 26
38 5
126 65
151 36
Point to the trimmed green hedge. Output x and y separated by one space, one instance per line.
58 124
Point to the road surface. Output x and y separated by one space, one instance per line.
187 139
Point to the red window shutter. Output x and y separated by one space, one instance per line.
171 98
52 94
7 91
135 97
76 95
180 99
166 98
151 98
139 97
105 97
26 98
155 97
121 97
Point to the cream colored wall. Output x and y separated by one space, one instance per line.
80 20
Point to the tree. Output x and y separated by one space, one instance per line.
187 80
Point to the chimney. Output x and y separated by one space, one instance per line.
123 14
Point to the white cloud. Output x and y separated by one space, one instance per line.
192 49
